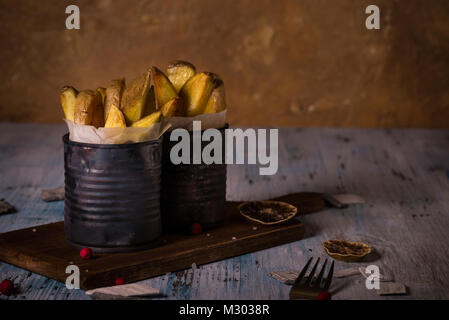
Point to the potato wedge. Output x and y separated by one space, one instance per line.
150 103
102 91
134 100
85 104
148 120
98 115
179 72
68 98
114 94
196 92
173 108
217 101
115 119
163 88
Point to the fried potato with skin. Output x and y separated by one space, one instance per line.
150 104
148 120
102 91
86 103
179 72
173 108
217 101
164 89
115 119
98 115
196 92
114 94
68 98
134 99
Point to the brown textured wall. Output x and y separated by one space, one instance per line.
294 63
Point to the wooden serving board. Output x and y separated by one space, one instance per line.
44 250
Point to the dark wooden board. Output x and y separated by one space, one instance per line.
44 250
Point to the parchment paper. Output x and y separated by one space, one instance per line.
208 121
90 134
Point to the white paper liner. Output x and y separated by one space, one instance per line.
90 134
208 121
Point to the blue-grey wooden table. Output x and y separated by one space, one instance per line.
402 174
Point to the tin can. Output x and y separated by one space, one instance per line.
112 195
192 193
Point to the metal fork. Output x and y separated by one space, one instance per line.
310 288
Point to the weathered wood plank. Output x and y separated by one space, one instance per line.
402 174
44 250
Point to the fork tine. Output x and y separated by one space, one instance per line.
329 277
303 272
320 276
312 273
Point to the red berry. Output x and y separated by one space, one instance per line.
119 281
6 287
196 228
324 295
86 253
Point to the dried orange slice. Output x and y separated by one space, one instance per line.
346 251
267 212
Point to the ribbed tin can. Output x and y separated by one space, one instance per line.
192 193
112 195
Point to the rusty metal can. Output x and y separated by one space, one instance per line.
192 193
112 195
